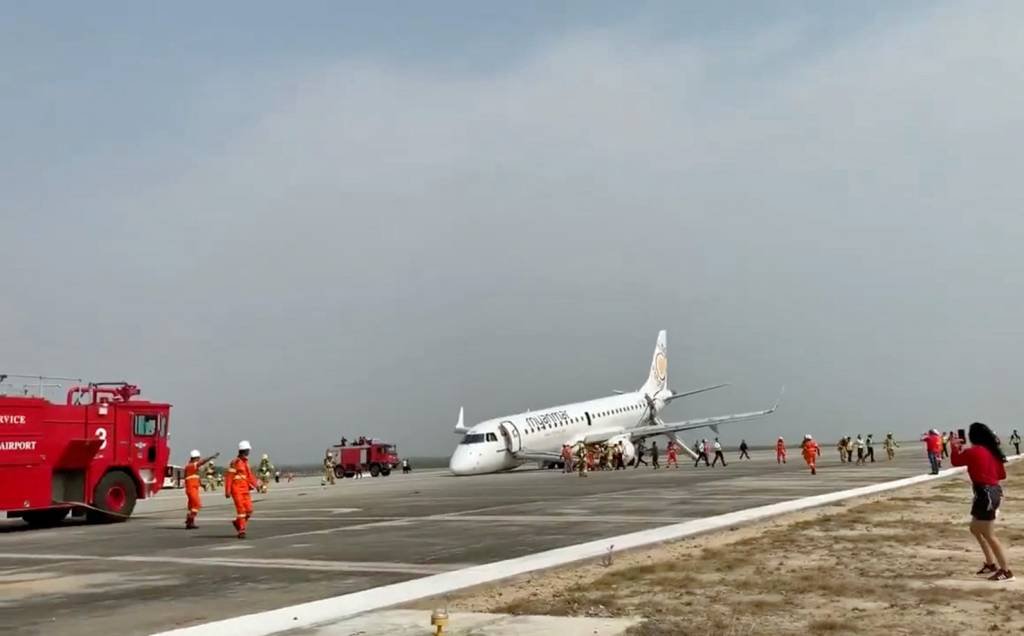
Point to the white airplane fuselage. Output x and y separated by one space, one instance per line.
490 446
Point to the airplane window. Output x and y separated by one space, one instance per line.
473 438
491 437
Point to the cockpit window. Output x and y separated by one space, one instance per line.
491 437
473 438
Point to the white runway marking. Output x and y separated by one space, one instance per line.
390 522
287 564
560 518
258 517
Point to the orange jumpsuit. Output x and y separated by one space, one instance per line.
811 450
780 452
237 484
192 489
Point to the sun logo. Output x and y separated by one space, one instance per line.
661 366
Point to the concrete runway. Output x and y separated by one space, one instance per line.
307 542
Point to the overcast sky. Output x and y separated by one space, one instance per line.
300 221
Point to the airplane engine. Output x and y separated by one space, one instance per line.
628 449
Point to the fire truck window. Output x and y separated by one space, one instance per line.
145 425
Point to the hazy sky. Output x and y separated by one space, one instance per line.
297 222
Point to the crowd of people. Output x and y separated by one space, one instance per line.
583 458
864 447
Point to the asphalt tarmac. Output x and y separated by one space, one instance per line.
308 542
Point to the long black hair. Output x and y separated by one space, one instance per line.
981 435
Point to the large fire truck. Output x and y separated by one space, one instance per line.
94 455
372 456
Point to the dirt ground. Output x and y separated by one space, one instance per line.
901 563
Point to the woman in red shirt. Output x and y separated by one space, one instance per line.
984 461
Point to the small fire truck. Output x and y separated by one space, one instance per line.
375 457
94 455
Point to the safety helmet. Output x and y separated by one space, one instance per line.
808 436
244 445
194 454
934 432
265 456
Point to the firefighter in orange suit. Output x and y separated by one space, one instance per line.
780 451
193 486
811 451
238 481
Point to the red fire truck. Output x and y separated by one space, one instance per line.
374 456
96 454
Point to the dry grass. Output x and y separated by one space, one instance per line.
901 564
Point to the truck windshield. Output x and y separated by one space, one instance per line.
473 438
145 424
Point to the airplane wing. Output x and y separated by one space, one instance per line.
675 396
709 422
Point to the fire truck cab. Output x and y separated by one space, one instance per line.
96 454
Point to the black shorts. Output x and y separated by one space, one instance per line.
986 502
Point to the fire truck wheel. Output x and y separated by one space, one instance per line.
114 499
340 473
385 471
45 518
374 470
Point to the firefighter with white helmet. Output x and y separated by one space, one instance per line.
238 482
811 451
780 451
193 486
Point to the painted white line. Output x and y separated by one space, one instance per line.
399 521
333 609
248 562
560 518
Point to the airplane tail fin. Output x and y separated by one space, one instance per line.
657 380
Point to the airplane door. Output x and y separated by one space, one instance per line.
588 418
510 435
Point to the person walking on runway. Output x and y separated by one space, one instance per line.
743 449
718 454
702 453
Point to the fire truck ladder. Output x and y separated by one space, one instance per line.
38 382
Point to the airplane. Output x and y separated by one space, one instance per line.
505 443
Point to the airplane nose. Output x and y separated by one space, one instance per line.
463 461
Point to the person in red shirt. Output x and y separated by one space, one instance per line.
984 461
780 451
933 445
